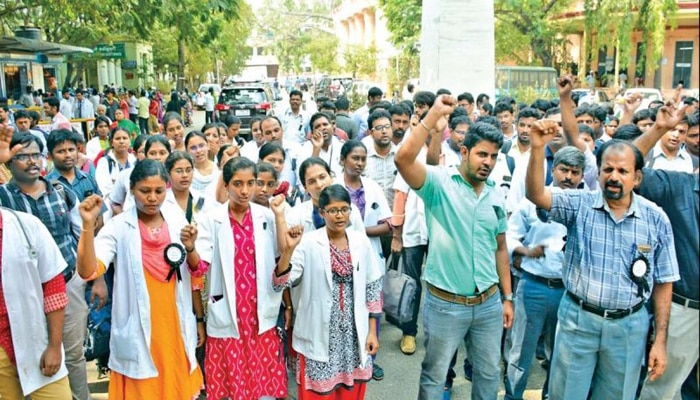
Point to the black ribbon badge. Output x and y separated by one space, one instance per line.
639 269
174 255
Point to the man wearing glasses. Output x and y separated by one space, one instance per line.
57 207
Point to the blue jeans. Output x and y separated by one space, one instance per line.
536 308
446 325
592 353
413 267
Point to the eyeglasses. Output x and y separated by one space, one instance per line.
335 211
380 128
460 132
26 157
196 147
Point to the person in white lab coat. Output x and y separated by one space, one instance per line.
154 331
339 281
31 315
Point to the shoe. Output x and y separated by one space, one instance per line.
408 344
377 373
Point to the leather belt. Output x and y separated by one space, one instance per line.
550 282
464 300
606 313
685 302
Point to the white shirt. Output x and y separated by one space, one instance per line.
106 176
132 105
681 162
93 148
311 268
83 109
250 150
415 228
208 102
120 241
381 169
294 126
452 157
526 229
215 245
22 276
330 156
205 185
66 107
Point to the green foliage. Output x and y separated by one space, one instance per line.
360 61
403 20
322 53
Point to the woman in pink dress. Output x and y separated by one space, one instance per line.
244 358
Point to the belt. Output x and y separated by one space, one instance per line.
465 300
68 274
685 302
550 282
615 313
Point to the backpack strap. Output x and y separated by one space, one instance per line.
509 159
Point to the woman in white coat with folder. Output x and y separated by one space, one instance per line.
339 283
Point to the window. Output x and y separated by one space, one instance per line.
683 63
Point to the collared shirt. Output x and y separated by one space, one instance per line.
330 156
83 109
294 126
659 160
81 184
344 122
452 157
359 117
62 221
678 194
525 228
66 107
59 121
462 228
381 168
600 249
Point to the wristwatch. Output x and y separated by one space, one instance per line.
507 297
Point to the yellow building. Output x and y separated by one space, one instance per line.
678 63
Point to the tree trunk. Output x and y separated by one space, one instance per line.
70 69
180 64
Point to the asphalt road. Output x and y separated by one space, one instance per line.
401 371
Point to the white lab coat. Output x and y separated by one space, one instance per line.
22 277
120 241
302 214
376 209
106 176
215 245
311 267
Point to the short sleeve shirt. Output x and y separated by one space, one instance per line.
600 249
462 231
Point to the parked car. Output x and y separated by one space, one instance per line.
599 97
203 89
245 102
333 87
648 95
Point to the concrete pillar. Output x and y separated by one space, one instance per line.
351 31
118 73
368 21
111 75
102 74
458 46
359 29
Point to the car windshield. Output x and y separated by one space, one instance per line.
243 96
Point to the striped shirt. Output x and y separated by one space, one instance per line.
600 250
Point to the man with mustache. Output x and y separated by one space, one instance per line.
669 153
467 254
57 208
619 254
539 243
400 122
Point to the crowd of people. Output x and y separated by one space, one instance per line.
546 230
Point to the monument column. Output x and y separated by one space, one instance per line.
458 47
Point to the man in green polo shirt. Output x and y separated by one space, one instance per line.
467 255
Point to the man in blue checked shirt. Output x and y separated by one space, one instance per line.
619 253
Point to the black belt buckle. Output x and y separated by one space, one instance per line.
555 283
615 314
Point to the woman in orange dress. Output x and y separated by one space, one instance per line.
153 333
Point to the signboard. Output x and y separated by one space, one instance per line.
115 50
129 64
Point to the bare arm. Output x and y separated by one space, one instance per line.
661 296
51 359
412 171
434 147
535 190
567 106
665 121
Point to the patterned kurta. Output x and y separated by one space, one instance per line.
253 365
343 369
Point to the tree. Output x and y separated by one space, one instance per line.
360 60
322 52
403 20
